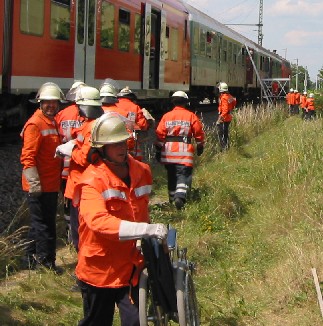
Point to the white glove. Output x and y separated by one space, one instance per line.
133 230
65 149
33 180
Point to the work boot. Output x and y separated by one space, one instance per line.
179 203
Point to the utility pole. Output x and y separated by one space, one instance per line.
260 24
296 73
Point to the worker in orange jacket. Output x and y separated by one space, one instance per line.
303 98
310 107
290 99
132 111
174 147
41 177
297 101
113 195
68 120
227 104
77 149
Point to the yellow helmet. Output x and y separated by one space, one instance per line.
108 129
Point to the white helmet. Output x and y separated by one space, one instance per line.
291 90
71 94
311 95
180 94
295 91
49 91
108 129
305 93
108 90
223 87
127 93
87 95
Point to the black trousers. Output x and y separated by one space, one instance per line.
42 232
179 180
223 135
74 222
99 305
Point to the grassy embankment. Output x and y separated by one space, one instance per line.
253 227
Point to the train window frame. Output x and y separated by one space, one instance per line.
57 28
166 43
124 30
36 17
107 27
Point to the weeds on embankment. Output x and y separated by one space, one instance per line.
253 226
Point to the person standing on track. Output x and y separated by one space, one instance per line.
227 104
132 111
41 177
89 105
68 120
113 195
174 147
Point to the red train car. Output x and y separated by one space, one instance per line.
143 45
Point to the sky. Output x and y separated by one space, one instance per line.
292 27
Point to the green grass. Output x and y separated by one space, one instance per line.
253 225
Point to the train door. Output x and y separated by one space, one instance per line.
6 18
153 56
85 41
249 69
1 40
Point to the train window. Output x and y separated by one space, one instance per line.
174 44
91 23
32 17
60 20
230 52
124 30
214 47
224 51
137 33
196 35
107 25
202 41
80 22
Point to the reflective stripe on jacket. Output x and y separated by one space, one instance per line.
40 139
105 200
79 157
226 104
68 120
179 122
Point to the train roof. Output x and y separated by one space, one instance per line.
200 17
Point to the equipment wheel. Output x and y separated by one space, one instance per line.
149 312
187 307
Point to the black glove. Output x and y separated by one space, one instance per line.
158 154
199 150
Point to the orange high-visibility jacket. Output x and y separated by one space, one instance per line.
290 98
226 104
133 145
105 200
297 98
310 104
79 157
40 139
174 134
303 101
68 120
